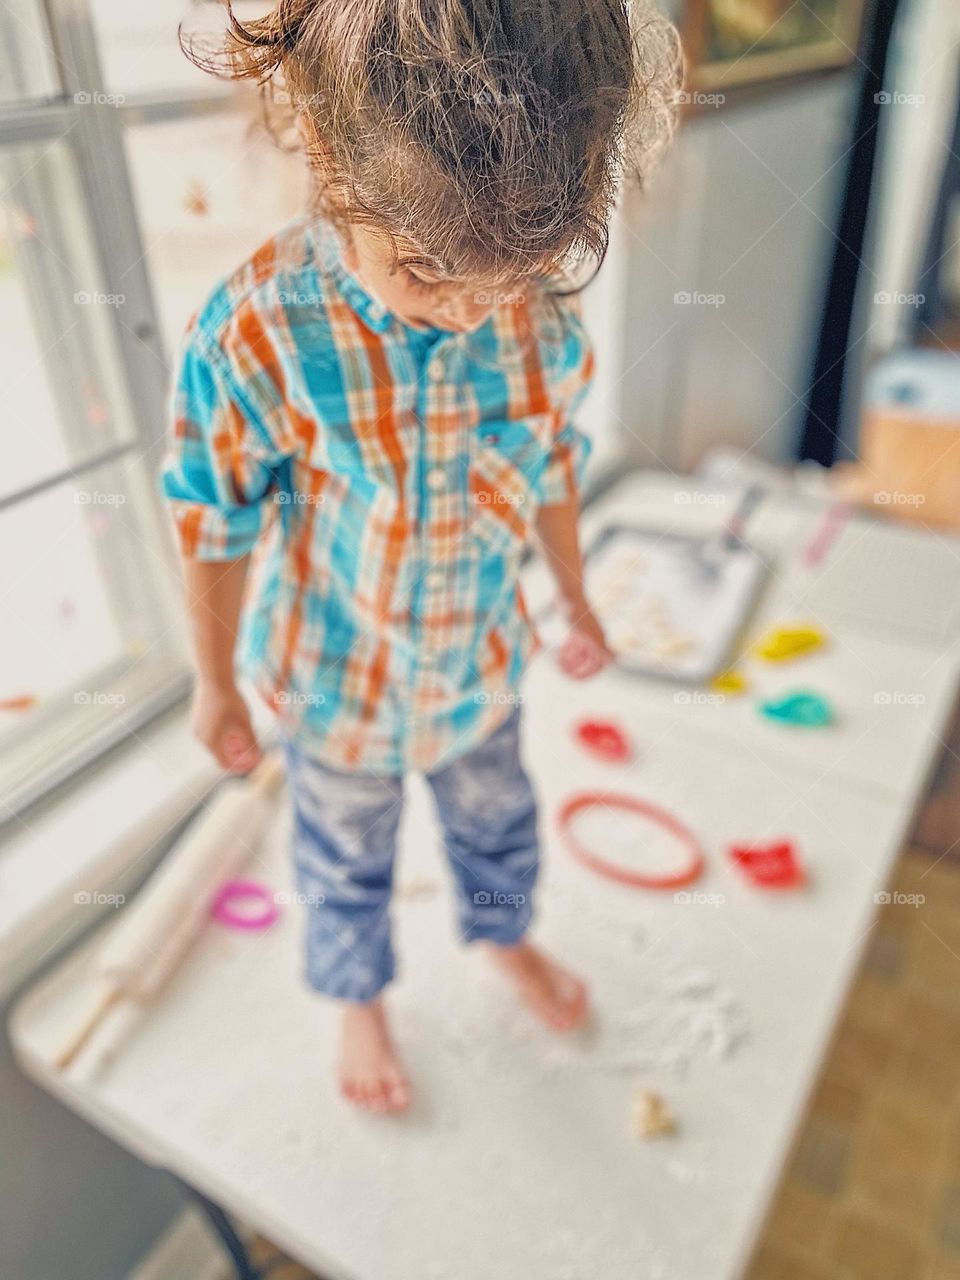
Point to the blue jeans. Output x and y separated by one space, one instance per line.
345 831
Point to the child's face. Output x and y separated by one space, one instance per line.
417 293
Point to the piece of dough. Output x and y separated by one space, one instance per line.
652 1118
417 887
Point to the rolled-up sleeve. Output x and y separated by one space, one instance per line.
221 469
563 478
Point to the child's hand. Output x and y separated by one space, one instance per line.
585 650
221 720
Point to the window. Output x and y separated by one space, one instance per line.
129 182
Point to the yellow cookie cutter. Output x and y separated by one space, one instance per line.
782 643
731 682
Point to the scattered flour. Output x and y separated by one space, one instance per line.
673 1021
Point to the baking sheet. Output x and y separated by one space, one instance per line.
665 615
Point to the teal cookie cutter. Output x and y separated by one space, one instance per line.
809 710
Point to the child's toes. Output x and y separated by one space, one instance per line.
568 1003
575 1006
397 1093
370 1096
348 1089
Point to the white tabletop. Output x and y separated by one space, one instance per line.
519 1155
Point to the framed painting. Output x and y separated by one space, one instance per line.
732 44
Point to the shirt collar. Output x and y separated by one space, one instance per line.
327 251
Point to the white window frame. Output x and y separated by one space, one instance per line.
56 740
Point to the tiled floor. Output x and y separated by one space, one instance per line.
872 1191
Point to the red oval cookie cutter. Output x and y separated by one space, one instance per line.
616 800
770 866
604 739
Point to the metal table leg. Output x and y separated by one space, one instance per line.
226 1233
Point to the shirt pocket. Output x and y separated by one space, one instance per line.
505 478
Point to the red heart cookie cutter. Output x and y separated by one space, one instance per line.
771 866
602 738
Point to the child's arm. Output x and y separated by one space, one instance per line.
221 720
585 650
220 472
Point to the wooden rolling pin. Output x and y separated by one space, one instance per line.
171 909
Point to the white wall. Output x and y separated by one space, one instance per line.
742 209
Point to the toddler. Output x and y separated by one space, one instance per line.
373 415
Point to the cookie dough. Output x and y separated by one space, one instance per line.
652 1118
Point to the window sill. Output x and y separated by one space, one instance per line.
62 866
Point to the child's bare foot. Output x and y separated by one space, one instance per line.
369 1071
555 995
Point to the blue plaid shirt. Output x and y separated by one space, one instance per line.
387 480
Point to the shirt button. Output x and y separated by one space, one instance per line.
436 372
436 479
434 579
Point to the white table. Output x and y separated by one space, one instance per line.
518 1158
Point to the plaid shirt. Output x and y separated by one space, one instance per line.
388 479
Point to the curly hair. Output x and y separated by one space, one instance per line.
490 134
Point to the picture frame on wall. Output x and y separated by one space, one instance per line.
737 45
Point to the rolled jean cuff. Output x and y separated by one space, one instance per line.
503 924
342 986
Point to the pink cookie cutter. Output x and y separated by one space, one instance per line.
224 907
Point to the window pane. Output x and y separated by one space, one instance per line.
82 594
28 68
60 393
139 49
85 604
209 192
